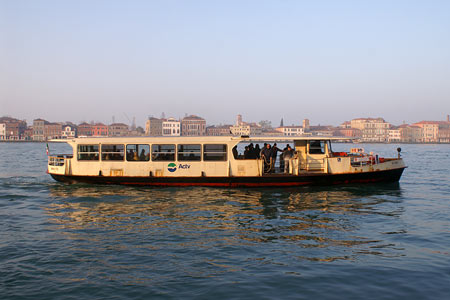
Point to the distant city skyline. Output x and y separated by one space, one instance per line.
364 129
239 118
327 61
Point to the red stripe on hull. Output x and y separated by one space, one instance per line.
241 184
224 184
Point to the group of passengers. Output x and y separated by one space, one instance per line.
252 152
269 155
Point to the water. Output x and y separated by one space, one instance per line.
61 241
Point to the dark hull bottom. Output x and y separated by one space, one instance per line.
264 181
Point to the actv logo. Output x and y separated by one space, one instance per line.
172 167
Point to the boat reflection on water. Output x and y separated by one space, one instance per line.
313 223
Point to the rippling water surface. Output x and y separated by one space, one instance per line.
111 242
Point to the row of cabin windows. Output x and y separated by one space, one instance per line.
159 152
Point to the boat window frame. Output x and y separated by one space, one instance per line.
164 153
224 153
112 152
329 149
88 152
322 147
197 154
137 149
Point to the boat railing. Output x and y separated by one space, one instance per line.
59 159
364 159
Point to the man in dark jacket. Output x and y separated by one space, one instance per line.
266 155
275 151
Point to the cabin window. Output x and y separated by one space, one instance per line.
316 147
215 152
88 152
138 152
189 152
112 152
163 152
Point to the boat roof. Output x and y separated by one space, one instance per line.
196 139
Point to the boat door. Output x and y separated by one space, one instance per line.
316 154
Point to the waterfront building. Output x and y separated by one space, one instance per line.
346 124
38 129
14 128
84 129
430 133
52 130
319 130
28 134
410 133
272 133
100 129
220 130
250 129
239 120
69 131
290 130
193 126
153 127
348 132
171 127
373 129
444 135
241 128
305 125
2 131
394 135
43 130
118 129
444 131
139 131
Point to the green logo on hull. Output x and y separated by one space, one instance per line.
172 167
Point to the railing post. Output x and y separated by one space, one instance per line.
295 166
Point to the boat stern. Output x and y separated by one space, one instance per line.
59 164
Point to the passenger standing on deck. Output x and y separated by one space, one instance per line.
246 153
288 154
235 152
251 151
266 155
282 160
275 151
257 151
260 153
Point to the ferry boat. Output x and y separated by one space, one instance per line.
217 161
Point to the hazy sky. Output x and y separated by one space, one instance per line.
328 61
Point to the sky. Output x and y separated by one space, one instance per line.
328 61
